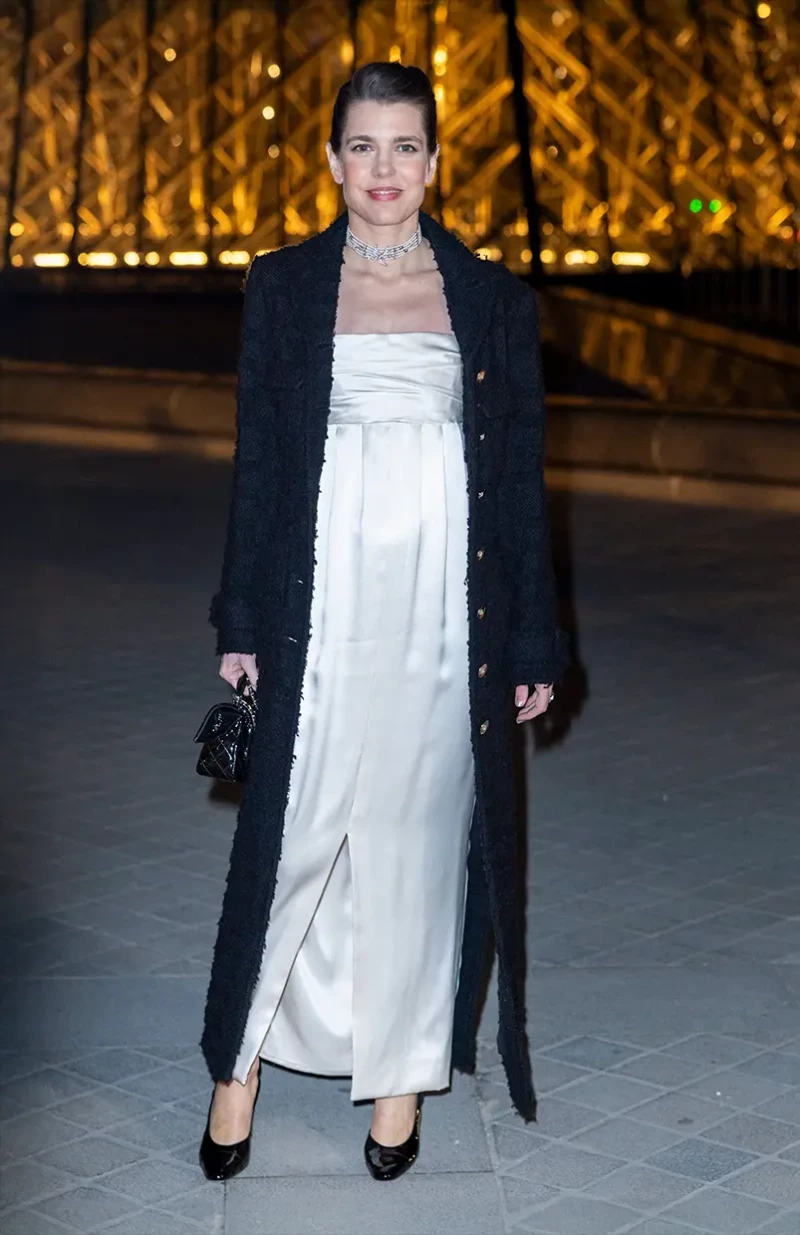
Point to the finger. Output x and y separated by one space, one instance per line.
520 696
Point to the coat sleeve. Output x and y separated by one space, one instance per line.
538 650
234 608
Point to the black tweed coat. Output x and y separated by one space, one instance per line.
264 602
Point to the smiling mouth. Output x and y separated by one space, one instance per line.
383 192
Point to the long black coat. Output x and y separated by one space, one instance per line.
264 603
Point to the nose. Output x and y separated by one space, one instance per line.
384 163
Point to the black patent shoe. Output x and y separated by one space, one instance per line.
386 1162
221 1162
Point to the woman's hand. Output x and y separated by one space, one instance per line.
534 702
234 664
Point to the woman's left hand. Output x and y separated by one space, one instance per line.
532 702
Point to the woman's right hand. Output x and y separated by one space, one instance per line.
234 664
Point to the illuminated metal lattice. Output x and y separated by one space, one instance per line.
154 131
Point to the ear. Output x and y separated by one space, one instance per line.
432 162
335 164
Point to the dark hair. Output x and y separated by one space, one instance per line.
385 81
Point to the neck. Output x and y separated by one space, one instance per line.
391 233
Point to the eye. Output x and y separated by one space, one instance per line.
408 146
360 146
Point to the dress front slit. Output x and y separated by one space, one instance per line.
361 961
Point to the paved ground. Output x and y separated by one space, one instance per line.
664 893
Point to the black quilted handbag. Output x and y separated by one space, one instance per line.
226 734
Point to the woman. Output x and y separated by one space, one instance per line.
387 586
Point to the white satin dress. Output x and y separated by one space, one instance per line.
361 961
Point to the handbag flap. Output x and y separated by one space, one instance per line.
220 720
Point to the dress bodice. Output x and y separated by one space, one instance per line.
412 376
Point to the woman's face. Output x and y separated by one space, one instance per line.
384 164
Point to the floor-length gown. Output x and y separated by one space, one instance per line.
361 962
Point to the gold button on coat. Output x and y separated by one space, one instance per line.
480 375
484 726
481 611
479 554
482 671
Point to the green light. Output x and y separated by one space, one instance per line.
695 205
715 205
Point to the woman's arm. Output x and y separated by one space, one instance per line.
234 609
537 646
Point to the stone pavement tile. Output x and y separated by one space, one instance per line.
774 1066
784 1107
713 1049
520 1196
701 1159
159 1222
720 1212
660 1068
609 1092
624 1138
102 1107
31 1222
680 1111
449 1204
28 1134
22 1182
511 1144
112 1065
661 1226
549 1075
783 1224
564 1166
83 1209
160 1130
38 1090
557 1118
642 1187
771 1180
167 1084
90 1157
574 1215
591 1052
153 1180
734 1088
754 1132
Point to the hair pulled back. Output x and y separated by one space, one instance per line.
385 81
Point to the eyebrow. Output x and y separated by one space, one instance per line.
367 137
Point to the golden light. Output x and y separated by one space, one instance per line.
188 257
440 60
51 259
273 151
764 11
581 257
526 255
234 257
274 70
268 112
490 253
152 258
16 229
548 256
630 259
131 259
170 54
17 259
346 51
101 258
395 53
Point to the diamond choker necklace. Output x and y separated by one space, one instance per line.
386 253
